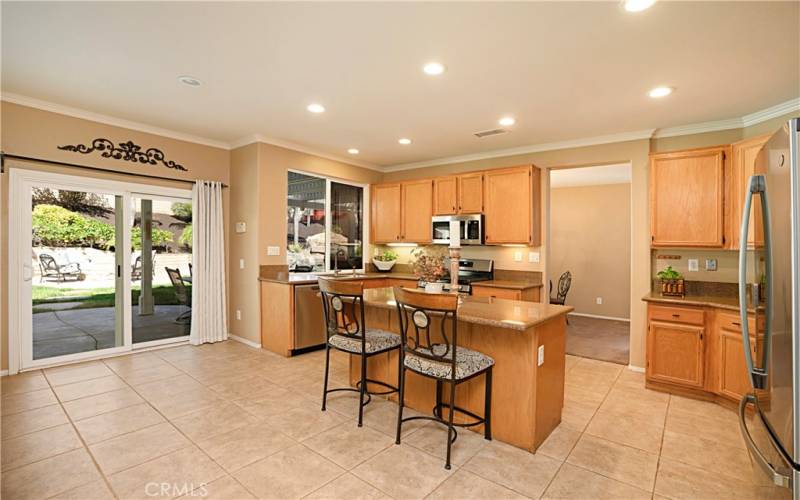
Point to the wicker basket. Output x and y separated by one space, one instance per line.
672 288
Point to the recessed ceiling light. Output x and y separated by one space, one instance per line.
353 151
315 108
638 5
189 80
433 68
507 121
404 141
660 92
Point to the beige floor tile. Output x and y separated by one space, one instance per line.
70 374
581 394
245 445
214 420
75 390
32 421
708 455
577 483
514 468
24 382
346 403
241 386
559 443
183 403
681 481
623 463
384 419
432 439
91 406
346 487
288 474
645 405
304 422
699 408
576 416
626 429
602 368
402 471
50 477
630 379
133 362
180 471
347 445
117 422
571 362
160 389
148 374
465 485
36 446
589 381
724 430
137 447
16 403
224 488
96 490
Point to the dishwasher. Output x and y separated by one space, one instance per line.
309 321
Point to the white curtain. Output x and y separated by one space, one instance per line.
209 318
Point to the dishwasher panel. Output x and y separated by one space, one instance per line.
309 322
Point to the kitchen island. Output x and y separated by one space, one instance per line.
526 341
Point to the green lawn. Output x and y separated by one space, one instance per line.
97 297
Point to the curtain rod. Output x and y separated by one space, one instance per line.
3 157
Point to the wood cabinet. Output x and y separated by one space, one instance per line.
675 353
687 198
386 208
512 205
734 380
470 193
401 212
743 165
528 294
445 196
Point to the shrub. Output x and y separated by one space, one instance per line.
186 236
182 211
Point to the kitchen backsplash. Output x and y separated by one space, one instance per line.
727 264
504 257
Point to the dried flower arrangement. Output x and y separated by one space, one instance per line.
428 263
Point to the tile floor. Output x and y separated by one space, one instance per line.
230 422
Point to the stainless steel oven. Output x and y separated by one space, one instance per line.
471 229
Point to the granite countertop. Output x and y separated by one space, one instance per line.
731 303
512 284
501 313
287 278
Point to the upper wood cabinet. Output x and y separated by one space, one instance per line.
687 198
445 196
386 201
417 210
512 205
743 160
470 193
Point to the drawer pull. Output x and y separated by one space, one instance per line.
676 315
736 323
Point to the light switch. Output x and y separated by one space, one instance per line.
694 264
241 227
540 360
238 314
599 300
241 263
273 251
533 256
517 256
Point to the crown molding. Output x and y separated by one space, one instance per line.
790 106
254 138
109 120
536 148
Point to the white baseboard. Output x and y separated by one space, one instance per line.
3 373
637 369
613 318
244 341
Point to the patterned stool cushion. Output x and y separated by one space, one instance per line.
377 340
468 362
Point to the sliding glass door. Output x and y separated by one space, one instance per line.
96 266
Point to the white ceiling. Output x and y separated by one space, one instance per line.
590 176
564 70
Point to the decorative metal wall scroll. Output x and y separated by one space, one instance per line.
126 151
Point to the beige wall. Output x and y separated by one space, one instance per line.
37 133
590 234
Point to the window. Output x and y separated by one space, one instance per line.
324 218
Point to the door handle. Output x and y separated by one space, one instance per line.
776 477
758 374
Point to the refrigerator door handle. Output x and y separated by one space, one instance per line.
758 375
776 477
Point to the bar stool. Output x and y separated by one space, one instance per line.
343 305
440 359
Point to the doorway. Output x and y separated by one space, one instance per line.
589 264
88 259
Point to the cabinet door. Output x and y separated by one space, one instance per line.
675 353
496 293
686 198
417 211
445 196
743 159
508 205
470 193
386 213
734 381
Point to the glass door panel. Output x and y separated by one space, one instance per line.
306 244
347 221
161 268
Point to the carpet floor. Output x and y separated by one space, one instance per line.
603 339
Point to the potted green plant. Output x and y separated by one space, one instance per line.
385 261
429 267
671 282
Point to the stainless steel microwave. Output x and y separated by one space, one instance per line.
471 229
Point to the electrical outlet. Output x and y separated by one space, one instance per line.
599 300
241 263
540 360
694 264
517 256
711 264
533 256
238 315
273 251
241 227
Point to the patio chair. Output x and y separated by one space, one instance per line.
49 268
182 293
136 269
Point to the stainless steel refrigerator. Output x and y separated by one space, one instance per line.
769 286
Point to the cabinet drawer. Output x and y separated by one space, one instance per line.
402 283
731 321
497 293
676 314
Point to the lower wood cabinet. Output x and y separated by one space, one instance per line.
528 294
676 353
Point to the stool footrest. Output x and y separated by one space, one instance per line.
437 411
369 397
392 389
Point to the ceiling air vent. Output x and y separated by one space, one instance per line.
488 133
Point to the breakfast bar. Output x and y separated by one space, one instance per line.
526 341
